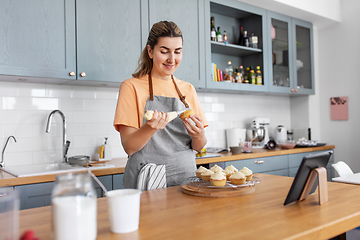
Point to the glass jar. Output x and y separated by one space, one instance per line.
74 207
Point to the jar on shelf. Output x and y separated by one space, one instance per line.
74 207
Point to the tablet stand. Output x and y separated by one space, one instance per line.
322 186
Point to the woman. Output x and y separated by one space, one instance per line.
153 87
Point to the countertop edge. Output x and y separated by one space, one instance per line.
7 180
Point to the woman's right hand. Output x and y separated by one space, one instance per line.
158 120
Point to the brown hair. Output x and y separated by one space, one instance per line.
159 29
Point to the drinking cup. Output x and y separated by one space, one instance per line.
247 147
124 210
9 214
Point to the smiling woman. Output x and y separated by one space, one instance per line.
153 87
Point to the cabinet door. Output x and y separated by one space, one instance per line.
118 181
303 57
280 57
106 181
188 15
108 39
37 38
35 195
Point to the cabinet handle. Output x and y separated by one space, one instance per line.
296 90
259 162
292 90
83 74
72 74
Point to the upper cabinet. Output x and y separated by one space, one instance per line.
38 38
53 40
188 15
228 17
290 55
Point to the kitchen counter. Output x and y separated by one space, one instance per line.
9 180
170 214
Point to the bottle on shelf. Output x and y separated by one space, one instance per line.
212 29
246 40
251 76
225 39
241 36
236 75
241 74
258 76
229 71
253 41
218 35
246 76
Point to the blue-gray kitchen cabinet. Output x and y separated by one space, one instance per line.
117 181
277 165
106 181
189 16
37 39
35 195
64 40
290 55
229 15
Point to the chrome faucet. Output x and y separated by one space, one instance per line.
65 144
2 163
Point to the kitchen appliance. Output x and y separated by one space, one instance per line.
260 132
235 136
280 134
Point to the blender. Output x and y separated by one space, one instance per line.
260 132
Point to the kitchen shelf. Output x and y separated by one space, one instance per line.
233 49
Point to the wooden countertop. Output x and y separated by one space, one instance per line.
170 214
9 180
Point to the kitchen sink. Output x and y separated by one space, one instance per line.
49 168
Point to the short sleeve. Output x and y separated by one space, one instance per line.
126 112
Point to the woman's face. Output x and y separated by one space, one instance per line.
166 56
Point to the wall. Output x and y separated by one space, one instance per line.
339 62
89 111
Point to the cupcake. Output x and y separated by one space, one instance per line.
186 114
218 179
200 170
248 173
206 175
238 178
232 168
228 173
216 168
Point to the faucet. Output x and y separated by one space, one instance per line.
65 144
2 163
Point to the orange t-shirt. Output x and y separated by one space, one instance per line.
134 93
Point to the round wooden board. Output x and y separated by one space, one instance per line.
217 192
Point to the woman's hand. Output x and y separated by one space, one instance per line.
195 128
158 120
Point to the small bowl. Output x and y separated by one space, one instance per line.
287 144
235 149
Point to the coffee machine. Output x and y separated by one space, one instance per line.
260 132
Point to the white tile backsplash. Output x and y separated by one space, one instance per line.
89 111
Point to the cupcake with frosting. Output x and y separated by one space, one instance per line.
199 171
218 179
248 173
232 168
206 175
228 173
238 178
216 168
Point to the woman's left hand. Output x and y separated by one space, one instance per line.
196 130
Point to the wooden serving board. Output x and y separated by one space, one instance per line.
217 192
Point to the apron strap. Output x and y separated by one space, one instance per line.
151 88
182 97
151 92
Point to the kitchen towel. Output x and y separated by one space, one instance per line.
151 176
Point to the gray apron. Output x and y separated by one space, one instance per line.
170 146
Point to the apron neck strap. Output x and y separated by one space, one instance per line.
182 97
